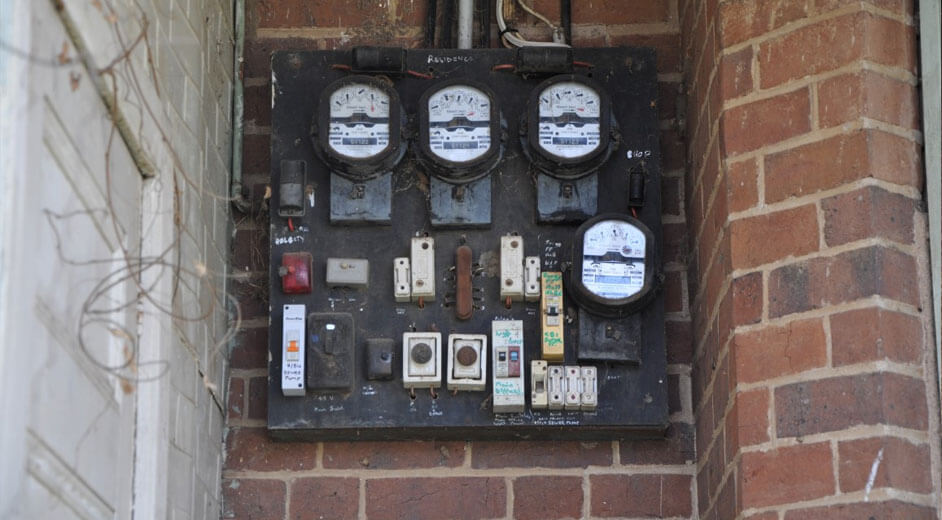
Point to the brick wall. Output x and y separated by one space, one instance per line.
814 384
539 480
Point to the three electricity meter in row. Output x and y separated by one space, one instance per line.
360 127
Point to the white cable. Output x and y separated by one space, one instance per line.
538 16
513 38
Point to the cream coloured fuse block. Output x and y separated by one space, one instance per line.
538 398
556 387
590 395
531 279
467 362
511 268
423 269
573 387
422 359
402 279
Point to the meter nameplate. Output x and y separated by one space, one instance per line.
359 121
613 259
459 123
570 123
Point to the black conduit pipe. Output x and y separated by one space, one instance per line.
565 18
485 13
448 19
431 14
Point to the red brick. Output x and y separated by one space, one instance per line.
556 454
543 498
252 449
250 251
736 74
747 299
668 95
608 12
726 505
236 398
867 94
768 121
875 510
748 422
673 150
874 334
773 236
641 495
778 351
896 6
741 20
393 455
833 43
666 45
898 464
258 398
247 499
435 498
742 191
675 243
842 402
678 447
251 292
258 53
679 341
256 153
838 160
258 105
869 212
762 516
673 288
324 498
819 282
674 399
250 348
784 475
671 190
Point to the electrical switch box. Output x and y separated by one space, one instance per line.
538 396
291 189
467 362
531 279
423 269
348 272
507 338
379 358
511 268
422 359
295 273
292 353
402 279
552 317
331 353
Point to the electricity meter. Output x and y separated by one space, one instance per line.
459 130
568 133
358 128
614 265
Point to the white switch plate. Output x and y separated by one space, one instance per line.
474 376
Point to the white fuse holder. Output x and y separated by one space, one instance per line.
590 395
402 279
556 388
292 350
507 341
531 279
573 399
511 268
422 359
423 269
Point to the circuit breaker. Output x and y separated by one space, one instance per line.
465 245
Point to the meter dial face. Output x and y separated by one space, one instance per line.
459 123
569 120
359 121
613 259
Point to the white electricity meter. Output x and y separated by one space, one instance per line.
358 127
460 130
569 126
614 265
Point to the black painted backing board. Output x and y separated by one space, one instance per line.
632 398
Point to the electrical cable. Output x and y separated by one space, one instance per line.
431 14
511 37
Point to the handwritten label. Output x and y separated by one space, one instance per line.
449 59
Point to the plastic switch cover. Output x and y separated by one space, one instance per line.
292 350
467 362
402 278
538 373
295 273
348 272
421 359
507 341
379 358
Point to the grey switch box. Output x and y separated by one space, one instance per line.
348 272
379 358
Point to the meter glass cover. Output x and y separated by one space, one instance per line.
459 123
569 120
359 121
613 259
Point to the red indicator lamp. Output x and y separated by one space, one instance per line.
295 273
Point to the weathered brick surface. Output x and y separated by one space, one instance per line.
677 448
786 475
545 498
393 455
258 398
252 449
905 468
760 123
872 334
324 498
867 213
772 236
748 299
245 499
877 510
434 498
867 94
642 495
742 191
236 399
841 402
778 351
566 454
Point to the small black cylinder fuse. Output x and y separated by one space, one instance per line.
291 189
635 188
